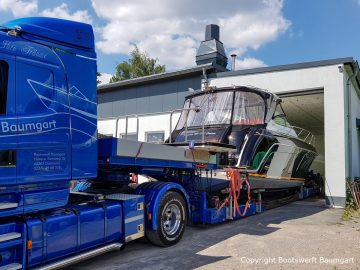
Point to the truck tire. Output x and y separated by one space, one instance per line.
171 218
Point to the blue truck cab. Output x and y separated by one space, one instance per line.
48 137
48 119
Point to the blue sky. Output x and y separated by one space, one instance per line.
320 29
261 32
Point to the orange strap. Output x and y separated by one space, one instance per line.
234 176
247 204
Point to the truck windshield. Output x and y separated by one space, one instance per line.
214 109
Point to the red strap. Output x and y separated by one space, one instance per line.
234 176
134 178
139 150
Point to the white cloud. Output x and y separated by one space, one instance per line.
63 12
19 8
167 50
249 62
104 78
172 30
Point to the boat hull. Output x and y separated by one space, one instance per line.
271 183
220 183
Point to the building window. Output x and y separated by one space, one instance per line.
4 72
129 136
155 137
7 158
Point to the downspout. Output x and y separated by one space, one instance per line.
349 135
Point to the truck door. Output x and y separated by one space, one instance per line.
43 122
8 139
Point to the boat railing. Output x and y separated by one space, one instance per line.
124 135
137 117
299 133
127 125
196 109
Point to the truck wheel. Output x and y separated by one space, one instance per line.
171 218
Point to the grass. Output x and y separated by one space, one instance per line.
350 213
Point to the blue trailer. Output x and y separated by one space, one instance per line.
48 138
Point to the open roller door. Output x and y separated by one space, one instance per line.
306 110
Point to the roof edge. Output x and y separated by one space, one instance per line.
156 77
311 64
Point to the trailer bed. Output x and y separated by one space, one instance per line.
115 152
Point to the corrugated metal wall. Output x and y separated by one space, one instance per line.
151 98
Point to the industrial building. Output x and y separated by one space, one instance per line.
321 96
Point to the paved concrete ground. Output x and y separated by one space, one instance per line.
278 239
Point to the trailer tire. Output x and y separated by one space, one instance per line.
171 219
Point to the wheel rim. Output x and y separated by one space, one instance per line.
171 219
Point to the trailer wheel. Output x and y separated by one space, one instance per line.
171 218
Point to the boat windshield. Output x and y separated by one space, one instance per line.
280 117
214 109
217 109
249 109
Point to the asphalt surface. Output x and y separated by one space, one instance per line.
301 235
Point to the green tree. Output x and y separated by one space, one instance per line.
140 64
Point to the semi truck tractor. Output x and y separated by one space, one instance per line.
48 139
